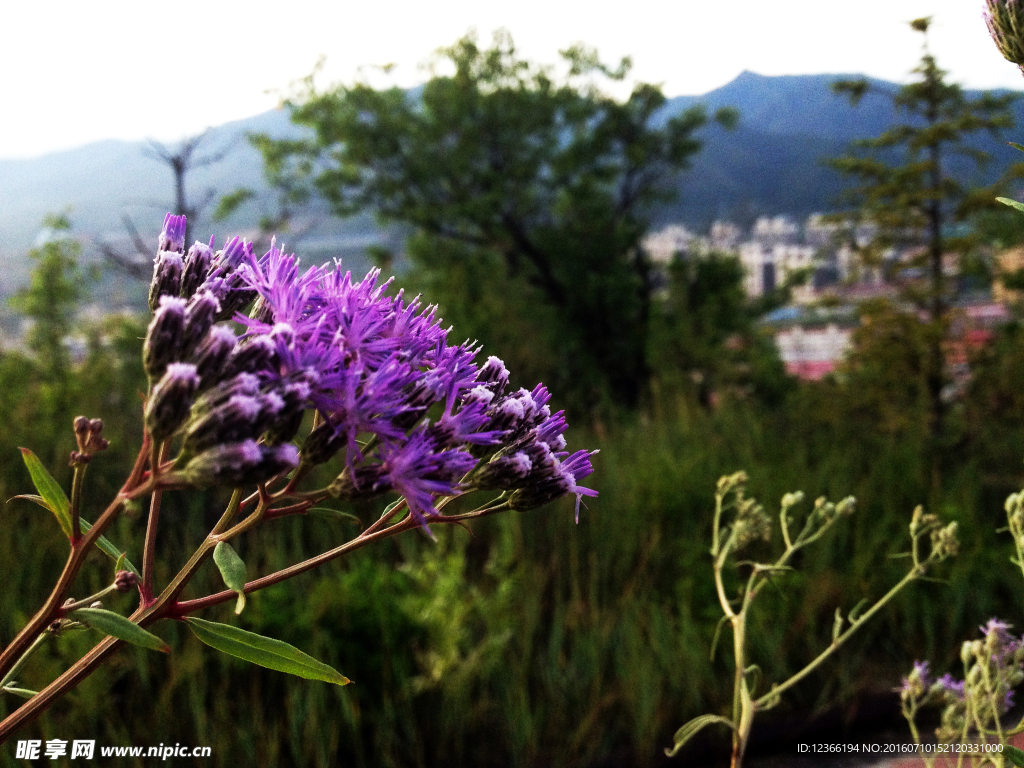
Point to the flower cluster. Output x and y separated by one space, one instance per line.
408 411
993 667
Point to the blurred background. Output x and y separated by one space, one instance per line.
765 240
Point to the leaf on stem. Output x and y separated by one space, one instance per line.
335 513
1004 201
102 542
232 569
116 625
25 693
49 489
110 549
693 727
718 634
1014 755
264 651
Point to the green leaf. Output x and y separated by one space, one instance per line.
264 651
109 548
1015 145
1012 203
1014 755
693 727
49 489
336 513
116 625
25 693
232 569
119 565
102 542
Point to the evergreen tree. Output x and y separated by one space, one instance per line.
912 192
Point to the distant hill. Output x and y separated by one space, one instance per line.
771 164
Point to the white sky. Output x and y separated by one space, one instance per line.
75 72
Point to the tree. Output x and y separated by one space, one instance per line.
52 297
705 330
912 191
547 179
181 162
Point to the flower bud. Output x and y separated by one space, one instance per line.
285 425
125 580
171 400
792 499
242 384
494 375
256 355
503 473
322 443
172 237
196 268
212 353
240 418
232 254
360 483
1005 21
846 507
163 337
199 314
239 464
166 281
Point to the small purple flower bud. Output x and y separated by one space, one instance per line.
494 375
167 268
257 354
294 397
163 338
125 580
553 482
199 314
172 237
239 419
322 444
78 457
242 384
504 473
232 254
171 400
212 353
196 268
361 483
239 464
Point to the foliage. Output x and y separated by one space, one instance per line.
704 330
912 192
548 181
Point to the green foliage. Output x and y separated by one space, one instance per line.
704 331
547 180
914 188
51 298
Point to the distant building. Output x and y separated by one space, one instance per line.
725 237
812 353
662 246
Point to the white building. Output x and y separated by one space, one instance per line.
662 246
811 353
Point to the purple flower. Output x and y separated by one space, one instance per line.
420 474
952 685
172 236
410 411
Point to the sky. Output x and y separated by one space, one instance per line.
73 73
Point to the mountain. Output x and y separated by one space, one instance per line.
771 164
